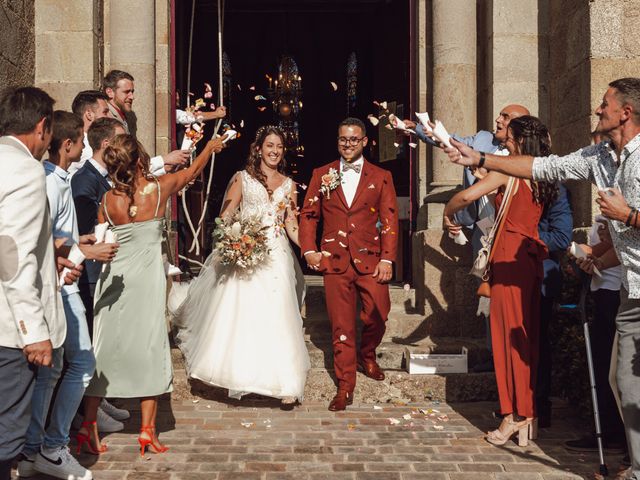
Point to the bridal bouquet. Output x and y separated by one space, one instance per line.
241 242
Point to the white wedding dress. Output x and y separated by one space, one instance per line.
243 331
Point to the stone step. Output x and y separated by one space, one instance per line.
398 386
404 327
390 355
315 298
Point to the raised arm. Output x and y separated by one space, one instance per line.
575 166
175 182
488 184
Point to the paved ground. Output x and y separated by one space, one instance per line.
255 440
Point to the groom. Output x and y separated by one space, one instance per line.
356 202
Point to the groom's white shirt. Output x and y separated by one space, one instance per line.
30 304
350 179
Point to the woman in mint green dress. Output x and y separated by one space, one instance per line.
130 331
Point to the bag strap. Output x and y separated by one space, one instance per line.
512 188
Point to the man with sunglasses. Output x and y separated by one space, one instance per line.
356 202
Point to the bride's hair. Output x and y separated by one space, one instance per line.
124 158
254 159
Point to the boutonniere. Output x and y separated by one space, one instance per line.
330 181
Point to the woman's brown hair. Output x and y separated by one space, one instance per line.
255 157
124 158
534 139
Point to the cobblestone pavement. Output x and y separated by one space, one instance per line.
254 439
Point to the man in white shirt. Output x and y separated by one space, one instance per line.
47 451
32 319
119 87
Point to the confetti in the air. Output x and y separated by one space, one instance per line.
259 97
334 85
413 145
262 109
373 119
252 87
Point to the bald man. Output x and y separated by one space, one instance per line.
486 142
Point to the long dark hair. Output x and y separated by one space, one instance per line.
533 138
254 159
124 158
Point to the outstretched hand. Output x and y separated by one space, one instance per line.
462 154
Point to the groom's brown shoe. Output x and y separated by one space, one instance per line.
371 369
341 400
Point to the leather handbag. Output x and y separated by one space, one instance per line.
482 261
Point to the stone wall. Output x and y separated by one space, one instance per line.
513 39
68 47
17 43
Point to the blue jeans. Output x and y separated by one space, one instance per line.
81 363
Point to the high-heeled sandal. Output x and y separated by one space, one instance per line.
83 439
501 437
149 442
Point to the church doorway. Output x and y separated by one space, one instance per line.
347 56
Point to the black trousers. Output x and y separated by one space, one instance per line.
603 330
545 364
87 290
17 379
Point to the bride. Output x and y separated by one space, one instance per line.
243 331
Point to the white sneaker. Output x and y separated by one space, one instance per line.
114 412
26 466
107 424
60 464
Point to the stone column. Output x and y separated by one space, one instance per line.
440 267
132 49
454 78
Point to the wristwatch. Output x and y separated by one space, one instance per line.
483 158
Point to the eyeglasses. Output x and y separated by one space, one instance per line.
353 141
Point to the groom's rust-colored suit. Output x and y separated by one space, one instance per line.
357 237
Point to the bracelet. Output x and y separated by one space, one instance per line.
631 212
482 160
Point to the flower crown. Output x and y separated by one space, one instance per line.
264 128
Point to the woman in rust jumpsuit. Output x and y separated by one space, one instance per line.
516 276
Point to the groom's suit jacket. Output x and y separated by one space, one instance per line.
361 234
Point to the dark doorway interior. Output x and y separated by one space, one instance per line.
320 36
